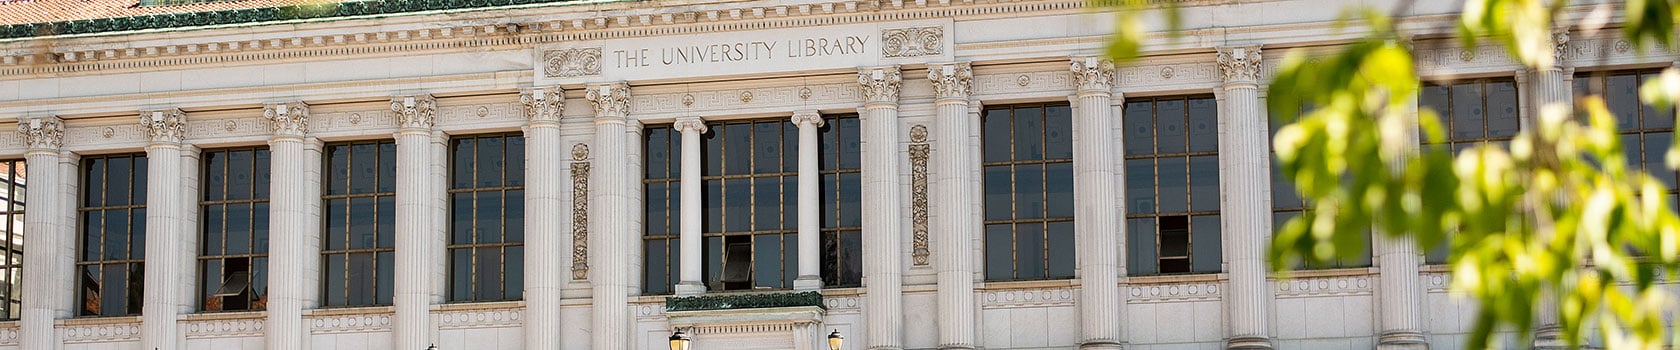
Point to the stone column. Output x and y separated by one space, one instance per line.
1245 212
631 242
415 119
44 233
310 254
1096 226
690 279
187 284
440 223
952 236
288 213
882 269
165 130
543 251
1552 90
810 223
608 274
1397 259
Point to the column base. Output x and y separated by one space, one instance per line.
1549 338
690 288
1402 341
807 283
1102 345
1249 343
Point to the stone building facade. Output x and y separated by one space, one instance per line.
592 175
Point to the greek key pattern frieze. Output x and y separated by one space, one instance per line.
1017 83
769 98
573 62
1168 76
580 212
919 150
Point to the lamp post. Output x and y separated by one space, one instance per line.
680 340
834 340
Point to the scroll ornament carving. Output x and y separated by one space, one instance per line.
574 62
288 119
164 126
610 99
880 84
580 212
919 152
812 117
685 124
1092 73
42 132
1240 64
912 42
954 80
543 104
418 111
1560 46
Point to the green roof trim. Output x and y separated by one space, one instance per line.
254 15
743 301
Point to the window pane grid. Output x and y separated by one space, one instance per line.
1027 162
661 187
11 266
358 248
749 161
1647 132
1172 185
233 228
1287 204
487 213
113 228
1473 112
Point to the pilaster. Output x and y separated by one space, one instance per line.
1245 214
882 266
952 238
1096 228
1553 94
42 304
608 274
690 280
288 212
165 131
415 117
810 227
543 273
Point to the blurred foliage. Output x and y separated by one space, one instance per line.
1558 211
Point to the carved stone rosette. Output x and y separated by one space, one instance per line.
288 119
951 80
543 104
610 100
912 42
418 111
880 84
1096 74
1240 64
43 133
164 126
573 62
919 151
580 212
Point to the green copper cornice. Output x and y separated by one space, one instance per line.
257 16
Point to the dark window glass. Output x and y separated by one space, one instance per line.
1028 175
1475 112
486 218
360 208
234 229
750 214
13 182
1287 204
1647 132
113 235
1172 185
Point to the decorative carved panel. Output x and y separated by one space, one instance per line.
1173 292
912 42
573 62
919 150
580 212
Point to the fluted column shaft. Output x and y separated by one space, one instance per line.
310 254
607 238
288 213
1552 90
882 267
162 297
1398 258
952 237
1097 230
544 276
413 278
689 282
45 232
810 225
1245 213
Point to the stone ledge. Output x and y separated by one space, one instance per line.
743 301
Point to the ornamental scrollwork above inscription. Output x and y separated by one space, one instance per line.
919 195
574 62
912 42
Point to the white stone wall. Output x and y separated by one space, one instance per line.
476 66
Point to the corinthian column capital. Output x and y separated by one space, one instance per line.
415 112
951 80
610 99
168 126
42 133
880 85
1093 73
1240 64
1560 47
290 119
543 104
